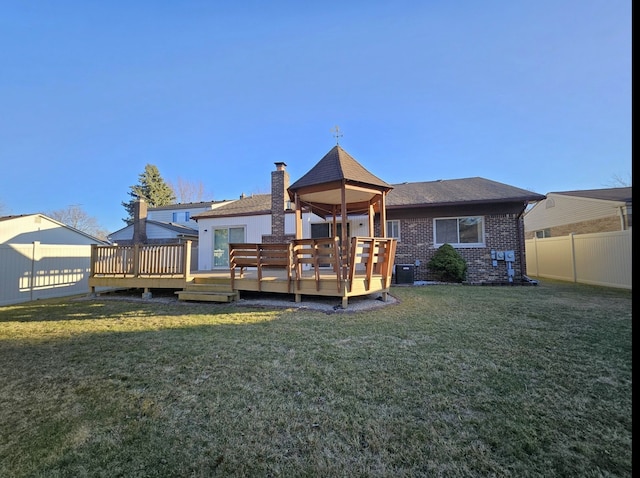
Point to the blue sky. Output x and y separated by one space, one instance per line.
534 94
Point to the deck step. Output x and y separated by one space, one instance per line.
207 295
208 287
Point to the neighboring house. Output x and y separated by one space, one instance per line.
579 212
481 218
41 258
166 224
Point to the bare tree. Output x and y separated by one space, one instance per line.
188 191
76 217
619 182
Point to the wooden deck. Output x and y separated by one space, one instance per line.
314 267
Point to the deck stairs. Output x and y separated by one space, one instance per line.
208 289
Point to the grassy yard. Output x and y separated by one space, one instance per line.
452 381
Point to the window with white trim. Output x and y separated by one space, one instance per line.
459 231
393 230
177 216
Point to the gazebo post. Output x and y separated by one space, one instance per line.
344 239
372 215
298 214
383 215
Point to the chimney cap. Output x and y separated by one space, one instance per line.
280 165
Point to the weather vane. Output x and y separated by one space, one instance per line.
337 133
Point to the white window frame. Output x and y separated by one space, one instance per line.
393 229
459 244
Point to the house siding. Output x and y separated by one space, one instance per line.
604 224
561 215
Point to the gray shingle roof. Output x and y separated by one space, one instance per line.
171 226
248 206
429 193
608 194
456 191
186 205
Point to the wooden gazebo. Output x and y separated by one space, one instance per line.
338 186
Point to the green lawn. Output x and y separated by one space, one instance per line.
452 381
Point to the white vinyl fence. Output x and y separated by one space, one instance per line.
39 271
602 258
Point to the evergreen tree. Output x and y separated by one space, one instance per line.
152 188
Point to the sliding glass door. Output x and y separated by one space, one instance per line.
221 239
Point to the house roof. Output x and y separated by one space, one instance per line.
609 194
172 226
188 205
456 191
254 205
419 194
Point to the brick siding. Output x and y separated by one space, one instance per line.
503 232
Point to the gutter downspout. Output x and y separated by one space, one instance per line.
522 246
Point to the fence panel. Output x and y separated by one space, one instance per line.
600 258
40 271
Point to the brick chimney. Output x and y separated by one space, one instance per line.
279 199
140 221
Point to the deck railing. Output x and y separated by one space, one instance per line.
366 257
141 260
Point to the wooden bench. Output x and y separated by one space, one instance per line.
260 257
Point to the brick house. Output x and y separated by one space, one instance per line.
481 218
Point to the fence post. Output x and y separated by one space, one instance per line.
573 256
535 248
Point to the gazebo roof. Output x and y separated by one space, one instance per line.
337 173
